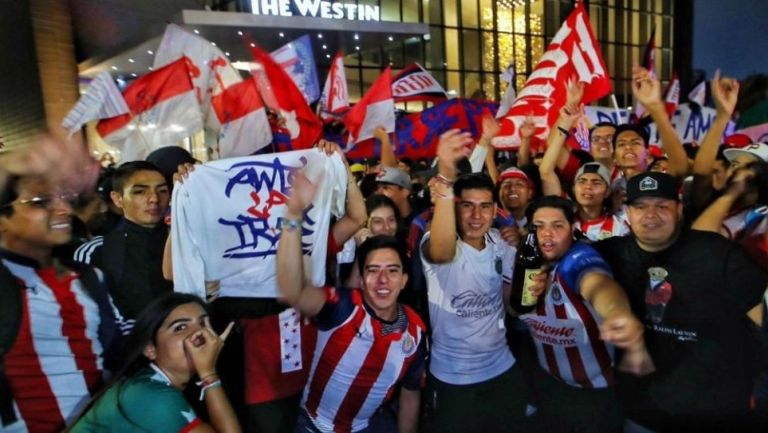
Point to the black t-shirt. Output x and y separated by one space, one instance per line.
697 332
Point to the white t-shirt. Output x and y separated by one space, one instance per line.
227 217
466 309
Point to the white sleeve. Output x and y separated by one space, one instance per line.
188 265
339 196
477 158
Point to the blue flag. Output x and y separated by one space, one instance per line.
297 59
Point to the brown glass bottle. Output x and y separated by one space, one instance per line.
527 264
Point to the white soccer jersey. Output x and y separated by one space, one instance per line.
227 218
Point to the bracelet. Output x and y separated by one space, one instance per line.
290 225
442 196
207 386
564 131
444 180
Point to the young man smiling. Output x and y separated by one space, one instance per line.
474 381
61 326
368 343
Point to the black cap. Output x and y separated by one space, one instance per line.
653 184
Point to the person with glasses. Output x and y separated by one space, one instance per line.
131 255
56 324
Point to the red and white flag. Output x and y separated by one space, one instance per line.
209 69
672 95
699 93
376 108
414 83
334 101
572 54
244 125
163 111
280 93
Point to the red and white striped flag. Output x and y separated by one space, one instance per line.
244 125
210 70
334 101
376 108
414 83
163 111
573 53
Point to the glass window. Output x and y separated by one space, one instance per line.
611 22
486 14
410 11
435 48
353 83
390 10
413 50
469 13
518 54
393 55
636 28
535 19
369 77
435 12
472 86
471 57
489 86
439 75
452 48
503 17
449 13
454 83
489 54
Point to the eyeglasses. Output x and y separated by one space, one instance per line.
45 202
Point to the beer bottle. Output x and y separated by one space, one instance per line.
527 264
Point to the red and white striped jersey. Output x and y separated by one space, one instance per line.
358 361
56 361
602 228
565 327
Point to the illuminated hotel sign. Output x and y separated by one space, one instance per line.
316 8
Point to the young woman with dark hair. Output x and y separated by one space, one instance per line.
171 343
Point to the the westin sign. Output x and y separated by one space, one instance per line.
316 8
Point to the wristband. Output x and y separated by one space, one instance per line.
564 131
441 196
208 385
290 225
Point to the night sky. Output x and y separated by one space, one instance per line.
732 36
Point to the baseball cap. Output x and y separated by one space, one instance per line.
514 173
595 167
759 150
357 168
653 184
394 176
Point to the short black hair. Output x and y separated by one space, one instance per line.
600 125
553 201
125 171
639 130
8 194
473 181
377 243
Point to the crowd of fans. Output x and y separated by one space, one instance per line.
650 312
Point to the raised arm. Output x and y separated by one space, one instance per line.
490 129
647 90
569 114
355 214
453 145
388 158
527 128
294 291
711 220
725 93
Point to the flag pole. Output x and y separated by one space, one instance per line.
616 108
